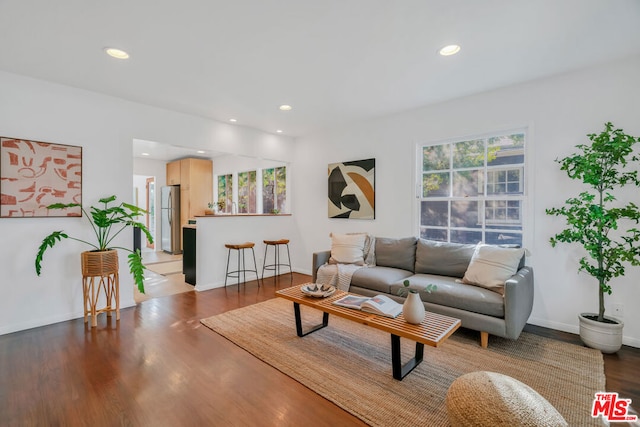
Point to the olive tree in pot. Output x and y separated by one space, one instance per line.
107 222
604 227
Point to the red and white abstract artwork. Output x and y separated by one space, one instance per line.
34 175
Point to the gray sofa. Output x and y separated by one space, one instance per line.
426 262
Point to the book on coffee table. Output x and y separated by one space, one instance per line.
380 304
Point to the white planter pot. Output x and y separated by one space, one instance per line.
606 337
413 309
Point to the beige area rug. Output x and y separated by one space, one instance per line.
350 365
166 268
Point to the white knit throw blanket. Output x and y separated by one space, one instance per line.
338 275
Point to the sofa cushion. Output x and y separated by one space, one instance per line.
454 294
378 278
369 249
447 259
491 266
347 248
397 253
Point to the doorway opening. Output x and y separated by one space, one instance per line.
163 275
144 197
150 217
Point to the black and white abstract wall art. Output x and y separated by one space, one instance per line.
352 190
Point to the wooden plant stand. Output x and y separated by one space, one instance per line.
100 276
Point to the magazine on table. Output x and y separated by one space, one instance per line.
380 304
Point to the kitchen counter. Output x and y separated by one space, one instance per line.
212 235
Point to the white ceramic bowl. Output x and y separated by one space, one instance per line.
317 290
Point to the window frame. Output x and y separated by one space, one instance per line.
248 209
228 198
279 206
502 227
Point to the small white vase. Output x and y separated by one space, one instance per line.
413 309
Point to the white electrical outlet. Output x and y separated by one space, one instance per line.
618 310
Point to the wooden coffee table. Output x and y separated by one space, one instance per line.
434 329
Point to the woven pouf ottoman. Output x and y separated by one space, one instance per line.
491 399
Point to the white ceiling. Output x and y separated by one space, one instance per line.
165 152
334 61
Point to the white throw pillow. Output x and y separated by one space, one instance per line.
347 248
491 266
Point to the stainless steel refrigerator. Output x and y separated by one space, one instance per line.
170 214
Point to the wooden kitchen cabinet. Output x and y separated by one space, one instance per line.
173 173
195 177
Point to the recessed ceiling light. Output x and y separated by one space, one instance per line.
145 154
449 50
279 131
200 152
285 107
232 120
116 53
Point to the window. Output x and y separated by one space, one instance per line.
274 189
473 190
247 192
225 192
501 181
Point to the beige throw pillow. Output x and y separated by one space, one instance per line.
347 248
491 266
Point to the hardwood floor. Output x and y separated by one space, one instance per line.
159 366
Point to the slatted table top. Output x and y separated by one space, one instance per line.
434 329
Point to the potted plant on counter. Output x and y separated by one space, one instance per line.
107 222
605 227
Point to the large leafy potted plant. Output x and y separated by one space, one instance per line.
605 227
107 222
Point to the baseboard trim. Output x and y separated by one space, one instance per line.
575 329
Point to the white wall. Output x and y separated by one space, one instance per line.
233 164
214 232
105 127
558 112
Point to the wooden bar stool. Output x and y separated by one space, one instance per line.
242 267
276 262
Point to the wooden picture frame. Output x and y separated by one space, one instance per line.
34 175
